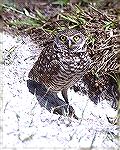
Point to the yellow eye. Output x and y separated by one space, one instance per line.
63 38
76 38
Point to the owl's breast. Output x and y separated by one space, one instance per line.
74 62
58 70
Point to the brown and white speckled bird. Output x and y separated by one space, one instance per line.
62 62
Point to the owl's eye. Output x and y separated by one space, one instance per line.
63 38
76 38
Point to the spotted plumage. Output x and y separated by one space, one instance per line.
62 62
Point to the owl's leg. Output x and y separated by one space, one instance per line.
65 96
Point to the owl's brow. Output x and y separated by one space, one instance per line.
63 35
72 35
80 34
69 32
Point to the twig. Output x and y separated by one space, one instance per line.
108 18
11 8
108 39
102 48
93 140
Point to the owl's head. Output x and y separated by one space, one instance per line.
70 41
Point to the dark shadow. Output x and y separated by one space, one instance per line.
50 100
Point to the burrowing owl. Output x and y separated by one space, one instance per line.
62 62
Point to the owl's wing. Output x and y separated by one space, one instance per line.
46 66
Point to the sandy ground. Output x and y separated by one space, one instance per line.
26 125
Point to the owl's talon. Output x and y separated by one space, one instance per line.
64 94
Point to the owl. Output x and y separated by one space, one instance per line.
62 62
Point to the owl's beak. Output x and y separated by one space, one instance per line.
69 43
